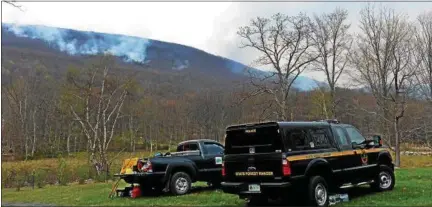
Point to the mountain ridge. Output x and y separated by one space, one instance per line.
131 49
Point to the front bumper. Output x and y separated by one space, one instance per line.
267 188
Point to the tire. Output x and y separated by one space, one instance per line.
180 183
318 192
384 180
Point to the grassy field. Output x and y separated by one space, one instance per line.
57 170
413 188
75 169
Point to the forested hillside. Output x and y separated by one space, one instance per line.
55 101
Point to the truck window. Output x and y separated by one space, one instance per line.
263 139
297 140
319 138
340 134
305 139
213 149
187 147
354 135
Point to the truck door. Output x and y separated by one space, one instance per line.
362 167
195 157
348 159
212 166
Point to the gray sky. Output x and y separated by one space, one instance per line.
210 26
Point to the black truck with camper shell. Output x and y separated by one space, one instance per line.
283 160
194 160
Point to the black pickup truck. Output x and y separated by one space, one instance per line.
291 160
194 160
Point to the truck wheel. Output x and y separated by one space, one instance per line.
318 194
384 180
180 183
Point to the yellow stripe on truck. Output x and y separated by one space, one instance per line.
333 154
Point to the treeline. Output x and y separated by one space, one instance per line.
54 105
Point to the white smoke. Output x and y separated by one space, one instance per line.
90 43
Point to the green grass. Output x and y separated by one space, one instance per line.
413 188
76 168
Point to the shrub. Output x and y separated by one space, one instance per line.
62 174
83 174
8 178
20 179
40 178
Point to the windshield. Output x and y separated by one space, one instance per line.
355 135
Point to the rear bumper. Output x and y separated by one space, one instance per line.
267 188
143 178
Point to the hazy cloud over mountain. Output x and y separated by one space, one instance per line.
210 26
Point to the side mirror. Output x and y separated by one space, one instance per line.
356 146
377 139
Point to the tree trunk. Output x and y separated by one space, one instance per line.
131 134
75 144
333 102
397 147
151 140
68 144
34 134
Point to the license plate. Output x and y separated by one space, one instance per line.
254 188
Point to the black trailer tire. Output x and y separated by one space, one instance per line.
384 180
318 192
180 183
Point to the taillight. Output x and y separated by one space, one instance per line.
139 165
286 168
147 167
223 169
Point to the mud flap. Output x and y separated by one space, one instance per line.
167 184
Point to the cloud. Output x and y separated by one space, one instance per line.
210 26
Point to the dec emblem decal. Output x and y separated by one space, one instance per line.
364 157
218 160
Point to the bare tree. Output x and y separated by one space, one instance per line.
424 54
332 41
18 95
384 62
284 43
98 110
13 3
